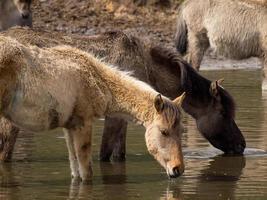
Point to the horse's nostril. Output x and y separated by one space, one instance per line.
240 148
177 171
25 16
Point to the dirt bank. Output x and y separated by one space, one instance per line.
155 21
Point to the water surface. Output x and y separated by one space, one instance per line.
40 169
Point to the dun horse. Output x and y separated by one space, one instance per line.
42 89
162 68
233 28
15 12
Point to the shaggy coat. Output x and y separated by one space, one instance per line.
162 68
233 28
43 89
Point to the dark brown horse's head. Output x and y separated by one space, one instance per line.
211 105
216 121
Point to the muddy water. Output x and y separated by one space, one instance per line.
41 170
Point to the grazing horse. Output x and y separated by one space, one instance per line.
43 89
160 67
233 28
15 12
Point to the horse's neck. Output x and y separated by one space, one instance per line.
129 96
194 104
197 98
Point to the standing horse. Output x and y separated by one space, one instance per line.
233 28
162 68
42 89
15 12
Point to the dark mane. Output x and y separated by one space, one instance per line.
195 85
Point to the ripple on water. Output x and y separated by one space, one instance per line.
211 152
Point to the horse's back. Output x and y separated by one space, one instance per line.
232 25
229 25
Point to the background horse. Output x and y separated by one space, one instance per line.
233 28
165 71
43 89
15 12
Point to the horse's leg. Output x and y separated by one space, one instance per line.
113 139
74 167
264 82
82 143
8 136
197 45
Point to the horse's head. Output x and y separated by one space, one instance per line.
217 122
163 135
212 106
24 8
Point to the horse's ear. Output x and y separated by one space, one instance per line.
220 81
179 100
159 103
214 87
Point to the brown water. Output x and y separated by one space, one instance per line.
41 170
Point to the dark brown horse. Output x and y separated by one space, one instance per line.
206 101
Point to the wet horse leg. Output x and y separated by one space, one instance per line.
8 136
264 82
74 167
113 139
197 45
82 142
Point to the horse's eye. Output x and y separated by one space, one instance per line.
165 133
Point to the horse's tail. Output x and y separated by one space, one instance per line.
181 39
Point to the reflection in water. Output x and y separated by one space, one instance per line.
41 170
113 173
8 181
79 190
218 179
221 177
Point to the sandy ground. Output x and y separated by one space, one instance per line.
151 22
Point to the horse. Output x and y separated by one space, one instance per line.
233 28
160 67
43 89
15 12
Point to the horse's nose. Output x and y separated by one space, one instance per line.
25 15
176 172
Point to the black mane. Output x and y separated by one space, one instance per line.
195 85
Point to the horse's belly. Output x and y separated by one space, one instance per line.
29 118
235 46
234 37
36 114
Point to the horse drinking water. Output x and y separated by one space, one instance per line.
162 68
42 89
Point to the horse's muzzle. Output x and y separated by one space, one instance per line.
25 15
176 172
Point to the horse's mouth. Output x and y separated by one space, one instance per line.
175 173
